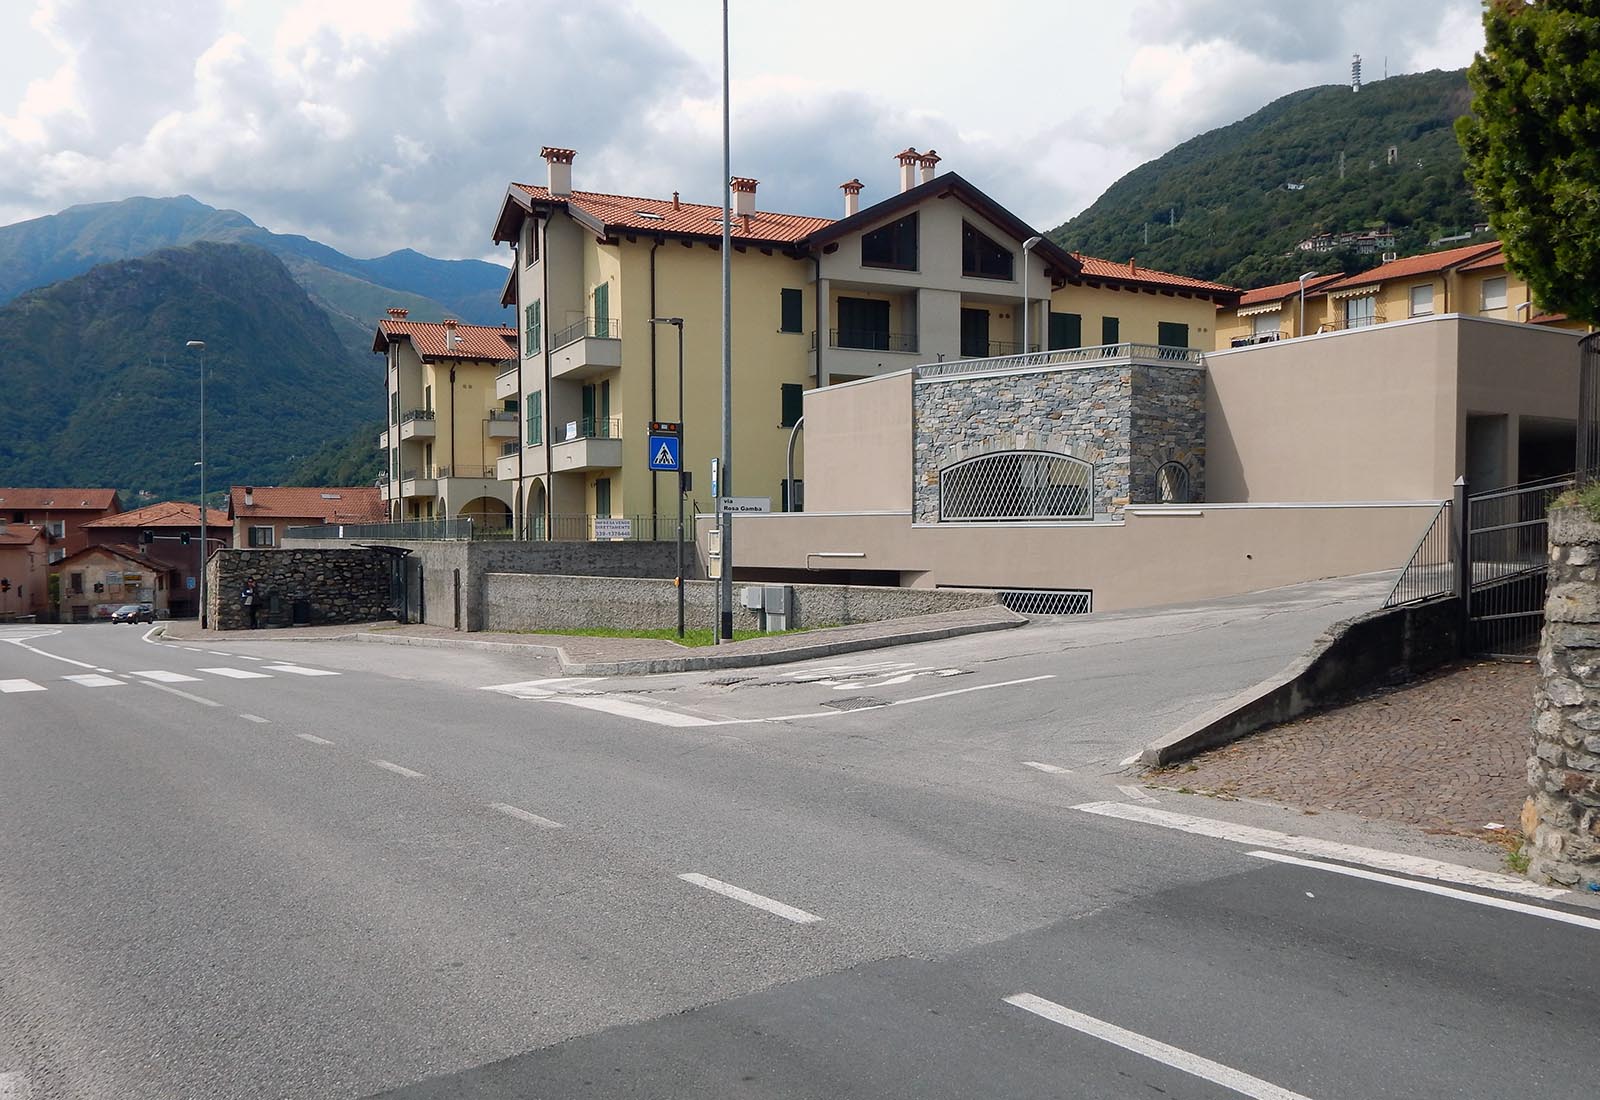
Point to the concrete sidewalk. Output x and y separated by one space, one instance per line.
582 655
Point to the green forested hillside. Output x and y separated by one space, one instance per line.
354 460
1231 204
104 391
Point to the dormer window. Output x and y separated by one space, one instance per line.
893 245
982 257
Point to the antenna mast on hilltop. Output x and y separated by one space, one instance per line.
1355 74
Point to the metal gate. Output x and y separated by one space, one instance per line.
1507 558
1589 410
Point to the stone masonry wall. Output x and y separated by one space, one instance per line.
1562 815
515 601
1126 419
1168 424
343 585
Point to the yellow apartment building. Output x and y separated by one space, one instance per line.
938 271
445 428
1472 281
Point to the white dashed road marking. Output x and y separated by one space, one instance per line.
180 693
398 770
236 673
164 677
313 738
300 670
253 718
717 886
8 687
53 656
523 815
1050 768
1156 1051
94 680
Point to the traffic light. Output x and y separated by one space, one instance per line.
184 538
146 537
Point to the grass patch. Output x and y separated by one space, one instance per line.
1587 498
699 636
1517 860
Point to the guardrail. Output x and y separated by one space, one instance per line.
872 340
591 427
1063 357
416 414
1431 569
606 328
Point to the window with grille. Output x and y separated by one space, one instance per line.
1014 485
1172 484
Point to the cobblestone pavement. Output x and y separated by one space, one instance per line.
1448 753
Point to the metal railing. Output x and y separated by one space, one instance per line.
416 414
872 340
1344 324
1017 485
509 448
1063 357
1431 569
503 416
1257 338
1589 411
606 328
456 528
416 473
588 528
508 366
458 470
1508 561
591 427
1009 347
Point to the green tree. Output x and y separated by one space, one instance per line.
1532 145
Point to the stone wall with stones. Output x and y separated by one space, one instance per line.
1562 814
343 586
1168 424
1126 419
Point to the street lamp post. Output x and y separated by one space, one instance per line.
725 585
1027 306
1303 278
677 323
200 346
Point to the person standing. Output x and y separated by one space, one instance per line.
252 604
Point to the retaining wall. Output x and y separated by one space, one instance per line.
534 602
343 586
1562 814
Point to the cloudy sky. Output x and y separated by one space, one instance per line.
379 124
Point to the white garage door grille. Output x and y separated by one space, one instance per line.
1047 601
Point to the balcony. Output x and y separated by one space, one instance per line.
593 443
869 340
465 472
1009 347
1344 324
503 425
383 440
418 483
505 381
586 348
418 424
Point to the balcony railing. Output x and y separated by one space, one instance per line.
1010 347
507 450
503 416
872 340
606 328
1063 357
1346 323
416 414
1257 338
459 470
592 427
509 366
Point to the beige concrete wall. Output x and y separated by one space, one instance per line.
1154 556
859 453
1517 370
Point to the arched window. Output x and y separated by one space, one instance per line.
1172 483
1013 485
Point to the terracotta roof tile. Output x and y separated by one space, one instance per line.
1497 258
1279 291
97 500
1427 264
106 551
494 342
338 504
1096 268
20 534
168 513
691 218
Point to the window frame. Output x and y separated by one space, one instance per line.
1069 323
1163 328
791 307
791 407
1415 312
253 537
1110 331
1505 295
532 328
533 419
978 241
911 236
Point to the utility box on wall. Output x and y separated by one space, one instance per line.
772 603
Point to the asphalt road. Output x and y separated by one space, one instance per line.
324 869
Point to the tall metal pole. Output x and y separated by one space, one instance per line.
1027 306
725 588
679 326
200 346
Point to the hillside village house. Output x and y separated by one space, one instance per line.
169 563
61 512
937 272
447 421
259 515
99 579
1472 281
24 551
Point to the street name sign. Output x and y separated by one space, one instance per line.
746 504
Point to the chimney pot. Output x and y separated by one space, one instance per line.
676 205
852 196
249 496
909 159
929 163
397 313
560 165
744 195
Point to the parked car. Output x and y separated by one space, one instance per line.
134 613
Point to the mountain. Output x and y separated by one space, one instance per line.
98 365
1232 204
354 292
350 461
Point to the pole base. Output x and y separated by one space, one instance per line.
727 626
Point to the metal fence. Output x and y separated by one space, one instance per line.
1017 485
1508 557
1430 571
1047 601
1062 357
455 528
1589 411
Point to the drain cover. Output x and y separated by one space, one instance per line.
856 702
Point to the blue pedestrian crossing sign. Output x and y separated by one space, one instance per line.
666 450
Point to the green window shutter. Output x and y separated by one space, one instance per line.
1066 331
538 327
602 309
1171 334
789 299
1110 330
535 417
793 394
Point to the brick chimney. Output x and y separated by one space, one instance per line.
397 313
744 196
909 160
560 164
929 164
249 496
852 196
